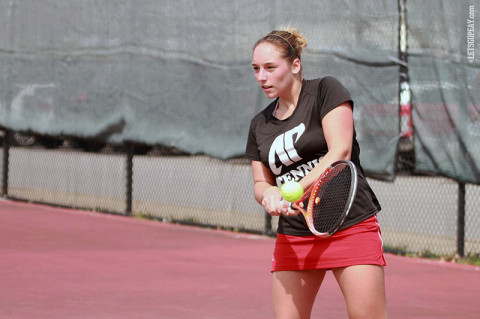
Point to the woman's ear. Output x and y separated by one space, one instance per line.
296 66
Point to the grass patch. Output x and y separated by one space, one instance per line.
473 259
469 259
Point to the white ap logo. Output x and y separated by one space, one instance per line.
283 147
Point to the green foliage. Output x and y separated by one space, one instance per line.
473 259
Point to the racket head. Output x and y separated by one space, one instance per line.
331 198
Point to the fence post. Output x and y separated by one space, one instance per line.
129 178
6 159
268 224
461 220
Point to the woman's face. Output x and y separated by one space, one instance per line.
273 73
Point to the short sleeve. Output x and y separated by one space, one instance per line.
331 93
252 152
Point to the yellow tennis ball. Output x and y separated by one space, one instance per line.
291 191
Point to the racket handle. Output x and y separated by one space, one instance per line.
289 203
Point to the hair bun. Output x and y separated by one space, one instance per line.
300 40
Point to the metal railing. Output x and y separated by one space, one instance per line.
421 214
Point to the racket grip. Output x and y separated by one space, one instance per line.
289 203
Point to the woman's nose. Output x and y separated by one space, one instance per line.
261 75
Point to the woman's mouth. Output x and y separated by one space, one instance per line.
266 88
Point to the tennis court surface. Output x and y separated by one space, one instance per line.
62 263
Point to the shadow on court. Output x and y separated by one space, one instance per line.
61 263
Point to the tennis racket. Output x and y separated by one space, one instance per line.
328 201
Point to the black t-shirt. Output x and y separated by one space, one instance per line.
292 147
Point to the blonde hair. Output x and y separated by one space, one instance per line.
289 40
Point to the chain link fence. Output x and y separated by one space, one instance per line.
120 75
420 213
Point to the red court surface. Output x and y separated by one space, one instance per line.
61 263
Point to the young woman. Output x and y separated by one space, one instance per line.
307 127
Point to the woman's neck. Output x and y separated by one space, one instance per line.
288 102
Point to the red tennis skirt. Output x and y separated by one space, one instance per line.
360 244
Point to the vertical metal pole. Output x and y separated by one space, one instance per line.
405 157
461 220
268 224
129 178
6 159
404 80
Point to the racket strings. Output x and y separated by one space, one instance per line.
331 201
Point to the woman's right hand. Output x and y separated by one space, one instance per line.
273 202
266 194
